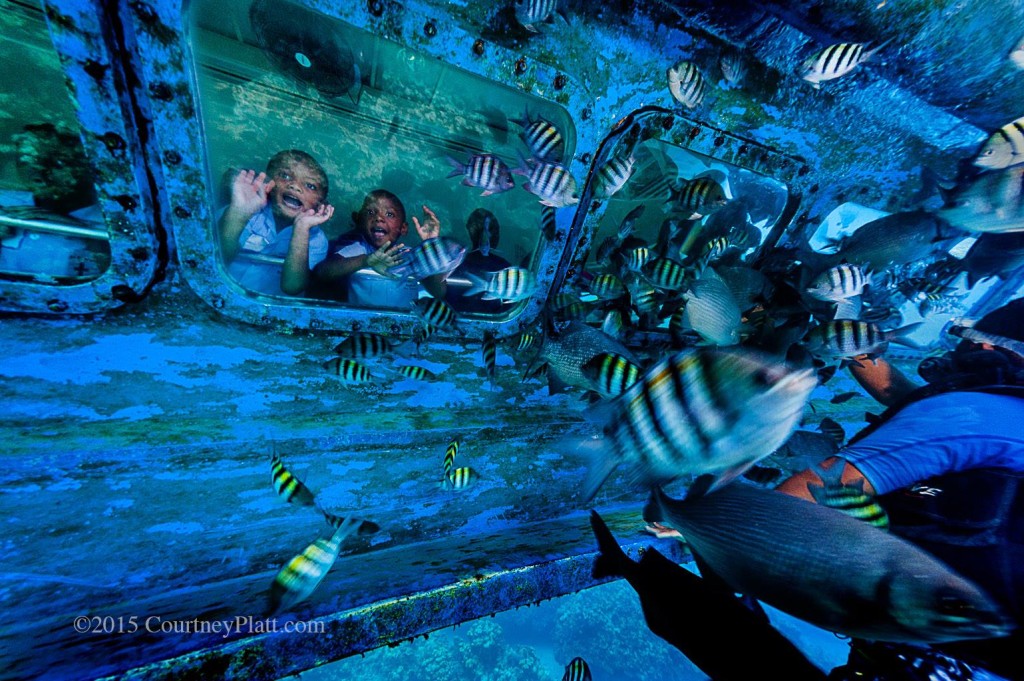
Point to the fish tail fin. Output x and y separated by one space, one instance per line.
611 560
458 167
900 335
477 285
600 465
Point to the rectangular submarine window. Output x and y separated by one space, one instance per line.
679 213
51 229
373 115
922 273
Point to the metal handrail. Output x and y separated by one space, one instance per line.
54 227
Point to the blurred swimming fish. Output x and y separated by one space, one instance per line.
511 284
577 670
363 528
302 574
835 61
830 427
440 255
1004 148
665 273
1017 55
827 568
364 345
486 171
613 175
607 287
610 373
348 370
551 182
686 83
613 323
435 313
734 67
287 486
543 139
850 498
993 255
708 410
450 452
529 13
416 373
489 353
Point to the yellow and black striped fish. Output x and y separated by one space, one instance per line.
302 574
612 176
511 284
607 287
434 313
543 138
665 273
348 370
839 283
686 84
851 499
552 183
287 486
610 373
461 478
637 257
416 373
577 670
1004 148
704 411
364 345
523 341
698 197
449 457
489 353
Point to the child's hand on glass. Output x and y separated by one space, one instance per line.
430 228
249 192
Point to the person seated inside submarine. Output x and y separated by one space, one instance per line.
369 266
484 233
946 462
277 213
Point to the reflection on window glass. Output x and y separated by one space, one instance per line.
680 217
920 268
368 115
51 229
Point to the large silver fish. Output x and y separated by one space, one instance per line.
705 411
712 311
898 238
824 567
992 202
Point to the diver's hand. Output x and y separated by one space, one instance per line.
663 532
384 258
430 228
249 192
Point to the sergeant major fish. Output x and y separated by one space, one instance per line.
577 670
440 255
844 339
551 182
302 574
698 197
835 61
1004 148
612 175
529 13
686 83
827 568
511 284
851 499
610 373
486 171
543 139
287 486
704 411
364 345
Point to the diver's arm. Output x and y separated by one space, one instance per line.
881 380
796 484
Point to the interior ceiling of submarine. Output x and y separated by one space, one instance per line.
950 54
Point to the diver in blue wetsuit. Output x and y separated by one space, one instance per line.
947 463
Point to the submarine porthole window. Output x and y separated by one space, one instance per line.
648 217
375 115
52 230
